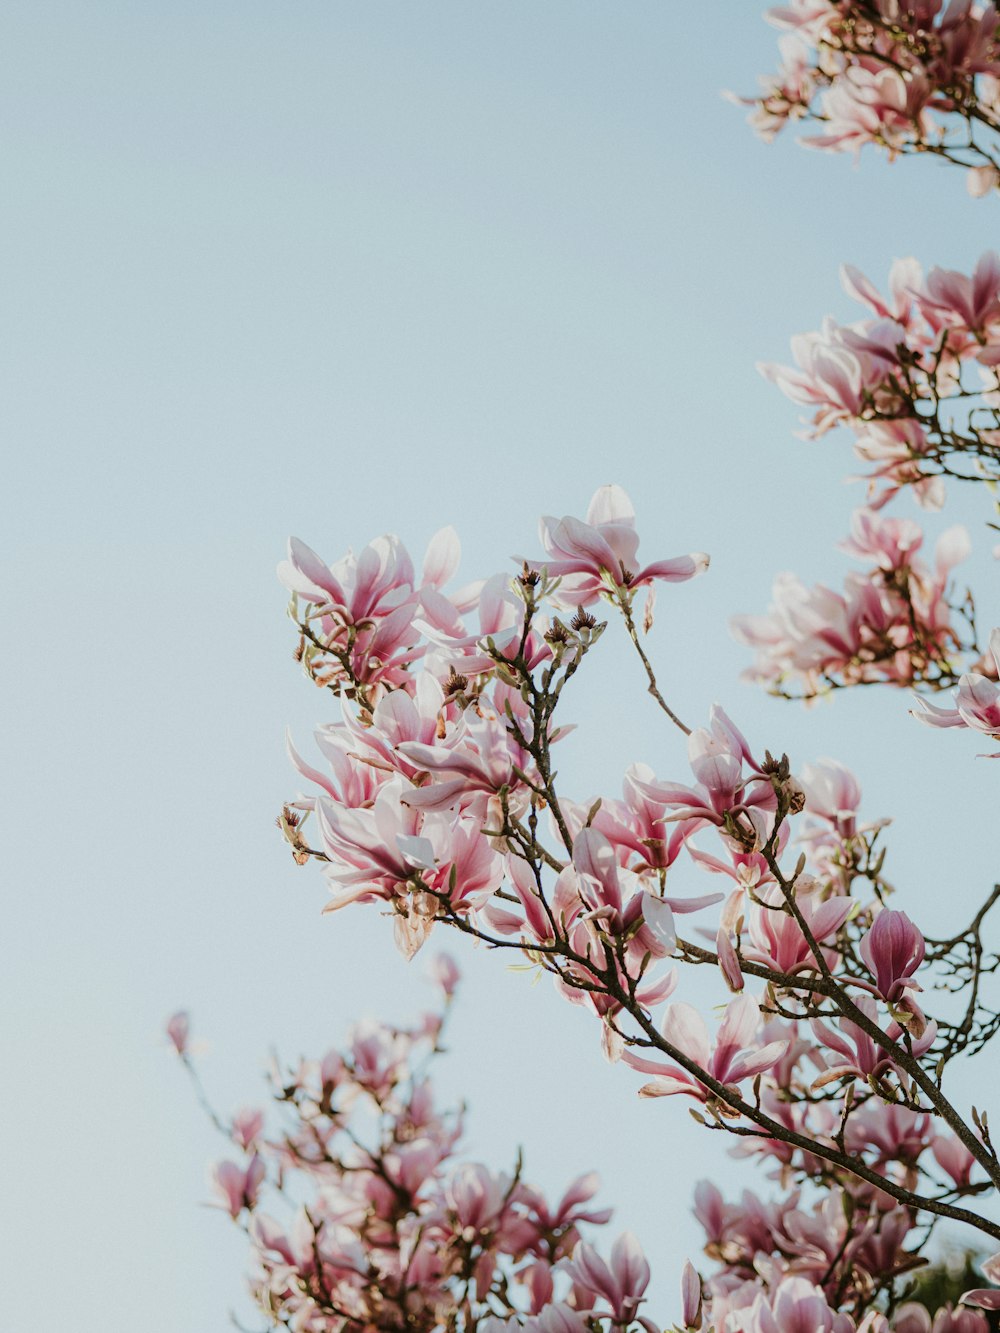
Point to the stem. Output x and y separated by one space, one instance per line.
654 689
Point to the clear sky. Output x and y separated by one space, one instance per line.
335 269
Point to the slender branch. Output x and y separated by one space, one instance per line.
624 604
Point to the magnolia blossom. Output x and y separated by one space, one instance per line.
953 1157
977 701
178 1030
237 1186
853 1049
873 106
691 1296
620 1282
932 341
437 798
599 555
970 304
733 1058
898 77
892 623
893 949
777 938
987 1298
357 1206
718 756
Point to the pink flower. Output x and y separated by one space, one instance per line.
953 1156
350 782
621 1283
986 1298
872 106
889 543
776 939
971 304
717 756
635 826
377 1058
871 631
570 1210
904 276
399 718
238 1187
247 1127
948 1320
833 376
794 1305
474 761
833 795
809 18
892 1133
178 1030
445 974
691 1297
859 1056
477 1196
393 852
912 1318
977 702
501 620
362 607
893 949
729 963
600 555
732 1058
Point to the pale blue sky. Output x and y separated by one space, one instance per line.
336 269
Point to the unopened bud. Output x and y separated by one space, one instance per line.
729 963
690 1297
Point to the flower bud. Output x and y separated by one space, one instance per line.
690 1297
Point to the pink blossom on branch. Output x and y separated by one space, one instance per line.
238 1187
915 381
599 555
986 1298
620 1282
977 701
442 804
913 78
893 949
360 1213
733 1057
892 624
776 938
178 1030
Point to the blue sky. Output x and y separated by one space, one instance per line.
337 269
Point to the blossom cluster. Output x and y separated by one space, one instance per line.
977 700
439 802
361 1213
893 622
916 77
435 800
783 1264
914 380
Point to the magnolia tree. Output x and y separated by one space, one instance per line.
432 797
